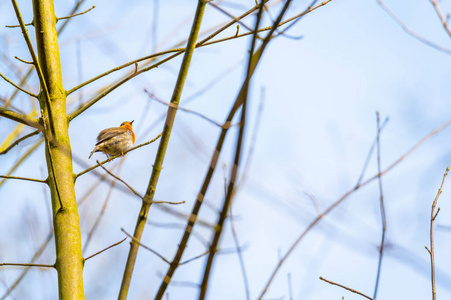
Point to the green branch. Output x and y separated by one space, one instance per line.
15 116
148 198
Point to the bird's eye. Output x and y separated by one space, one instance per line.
122 124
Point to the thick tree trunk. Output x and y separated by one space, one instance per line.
69 260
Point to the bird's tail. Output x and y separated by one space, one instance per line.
92 152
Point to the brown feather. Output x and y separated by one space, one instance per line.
109 133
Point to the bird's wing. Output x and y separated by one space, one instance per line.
109 133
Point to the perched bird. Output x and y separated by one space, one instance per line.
116 140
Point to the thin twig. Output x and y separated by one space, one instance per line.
345 196
26 265
410 31
431 251
95 254
7 104
193 219
24 61
16 26
57 19
441 16
33 54
382 206
370 153
22 159
102 211
168 202
298 17
194 258
121 180
187 217
24 178
134 240
240 139
270 27
25 271
159 158
229 15
76 15
240 254
346 288
177 52
152 96
76 7
197 235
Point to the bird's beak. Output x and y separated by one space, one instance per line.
132 122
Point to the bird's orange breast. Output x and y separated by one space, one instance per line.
129 127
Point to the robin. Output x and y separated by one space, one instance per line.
116 140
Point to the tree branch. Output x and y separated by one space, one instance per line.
15 116
75 15
142 217
18 87
346 288
24 178
26 265
101 251
410 31
382 206
431 251
342 198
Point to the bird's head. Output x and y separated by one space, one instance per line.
127 125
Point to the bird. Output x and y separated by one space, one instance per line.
116 140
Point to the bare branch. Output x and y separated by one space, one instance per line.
76 7
76 15
121 180
342 198
26 265
15 116
346 288
370 152
134 240
16 26
431 251
167 202
18 87
95 254
238 20
159 158
24 178
253 60
57 19
194 258
240 254
25 271
410 31
382 206
441 16
24 61
152 96
104 206
31 50
18 141
22 159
